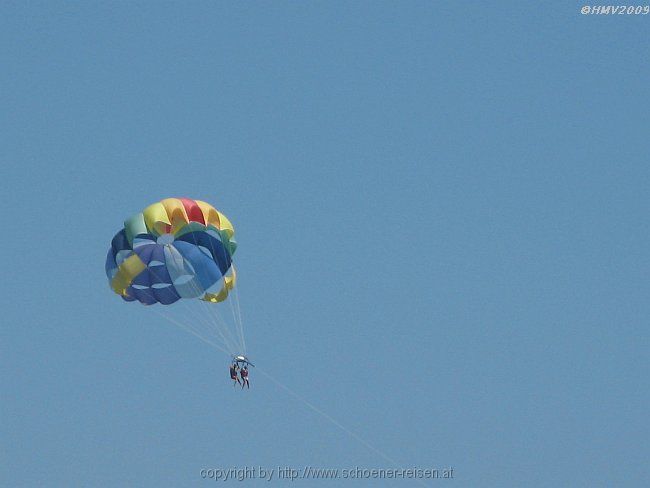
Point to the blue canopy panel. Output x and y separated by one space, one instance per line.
205 269
149 296
119 243
185 268
153 284
191 270
111 265
211 241
119 251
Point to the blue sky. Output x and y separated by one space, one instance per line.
442 217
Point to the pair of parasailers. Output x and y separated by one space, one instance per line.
243 372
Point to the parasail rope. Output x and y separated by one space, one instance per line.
338 424
320 412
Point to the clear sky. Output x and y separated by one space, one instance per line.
442 217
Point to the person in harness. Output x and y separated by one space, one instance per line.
233 374
244 377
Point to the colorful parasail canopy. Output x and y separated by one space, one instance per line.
176 248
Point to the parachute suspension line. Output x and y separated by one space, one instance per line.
236 317
197 329
188 328
212 319
238 327
210 326
175 322
212 316
217 323
206 315
237 324
221 324
150 292
199 323
239 321
220 329
198 319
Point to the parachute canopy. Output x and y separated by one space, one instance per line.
175 249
